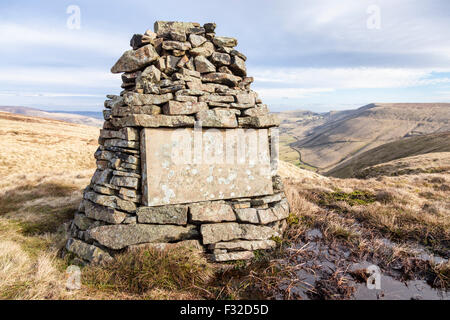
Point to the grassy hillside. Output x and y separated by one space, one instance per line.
424 163
33 145
333 138
388 221
44 165
439 142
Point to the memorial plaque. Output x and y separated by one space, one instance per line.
191 165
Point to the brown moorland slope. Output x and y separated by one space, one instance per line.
44 165
328 141
425 163
408 147
32 145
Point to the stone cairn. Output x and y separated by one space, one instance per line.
179 74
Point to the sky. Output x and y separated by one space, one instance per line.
317 55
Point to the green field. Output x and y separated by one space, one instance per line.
288 154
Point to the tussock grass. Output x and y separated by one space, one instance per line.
354 198
44 166
138 271
406 208
23 276
442 272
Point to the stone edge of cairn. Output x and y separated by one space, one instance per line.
180 73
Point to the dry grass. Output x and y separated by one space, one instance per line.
425 163
30 238
407 208
32 147
22 277
411 211
44 165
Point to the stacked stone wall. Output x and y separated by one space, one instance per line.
178 76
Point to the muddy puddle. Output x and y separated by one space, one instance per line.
324 271
393 289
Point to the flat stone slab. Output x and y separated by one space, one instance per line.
241 245
120 236
88 252
190 165
211 212
218 232
110 201
191 244
163 215
107 214
277 212
264 121
267 199
153 121
163 28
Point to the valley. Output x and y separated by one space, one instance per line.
325 141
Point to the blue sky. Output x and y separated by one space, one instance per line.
312 54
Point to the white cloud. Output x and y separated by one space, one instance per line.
348 78
47 94
15 37
80 77
291 93
407 27
271 83
444 95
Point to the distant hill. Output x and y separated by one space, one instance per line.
91 114
69 117
408 147
326 140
